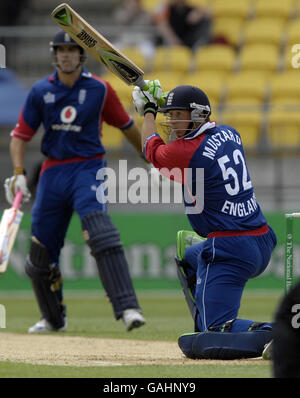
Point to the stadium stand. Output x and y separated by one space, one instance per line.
264 30
212 83
215 57
259 57
172 59
281 9
255 70
250 78
285 88
283 130
292 34
135 54
246 88
228 29
233 9
168 80
248 123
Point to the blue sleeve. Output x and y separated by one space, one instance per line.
32 111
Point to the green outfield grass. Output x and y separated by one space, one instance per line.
90 315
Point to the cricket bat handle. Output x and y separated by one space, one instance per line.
18 200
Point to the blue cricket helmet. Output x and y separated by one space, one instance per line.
61 38
189 98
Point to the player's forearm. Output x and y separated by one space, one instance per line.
149 127
133 135
17 152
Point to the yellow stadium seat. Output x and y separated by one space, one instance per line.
228 28
150 5
211 83
215 58
240 9
112 137
247 123
282 9
283 129
172 58
243 87
263 31
135 55
293 33
285 88
199 3
168 80
123 91
259 57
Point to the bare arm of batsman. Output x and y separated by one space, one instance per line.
133 135
18 180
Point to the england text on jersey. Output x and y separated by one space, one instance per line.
240 209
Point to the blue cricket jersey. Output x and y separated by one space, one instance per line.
71 116
227 201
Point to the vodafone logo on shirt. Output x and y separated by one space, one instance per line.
68 114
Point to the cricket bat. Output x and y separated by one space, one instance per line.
97 45
9 226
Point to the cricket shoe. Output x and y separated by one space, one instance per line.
43 326
267 352
133 318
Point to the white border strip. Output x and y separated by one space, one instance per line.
203 294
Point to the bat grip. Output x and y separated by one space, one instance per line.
140 82
18 199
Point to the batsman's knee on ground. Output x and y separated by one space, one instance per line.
224 345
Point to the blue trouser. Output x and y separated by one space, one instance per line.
223 265
61 190
76 186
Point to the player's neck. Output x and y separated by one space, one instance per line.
69 79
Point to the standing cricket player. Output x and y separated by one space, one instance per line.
71 104
239 241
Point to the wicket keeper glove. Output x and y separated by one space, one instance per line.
13 184
145 101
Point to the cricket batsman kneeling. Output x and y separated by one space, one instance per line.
237 242
71 104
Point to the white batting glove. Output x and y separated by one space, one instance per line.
146 100
15 183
